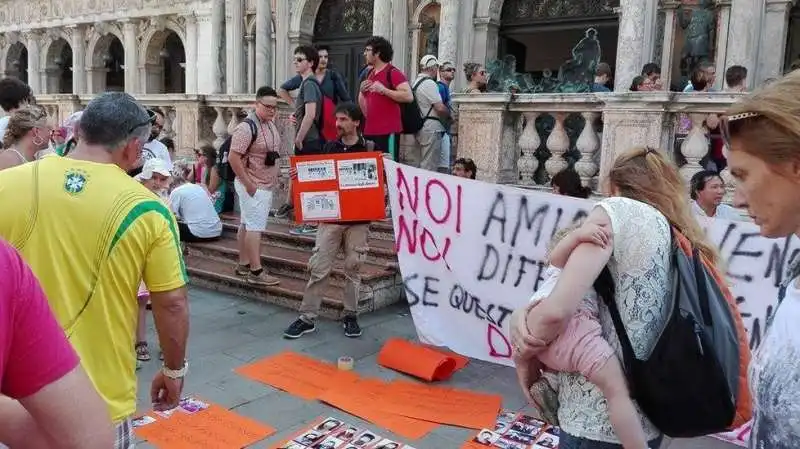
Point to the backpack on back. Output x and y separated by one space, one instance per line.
326 121
410 114
693 382
224 167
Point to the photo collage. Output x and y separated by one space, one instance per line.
516 431
333 433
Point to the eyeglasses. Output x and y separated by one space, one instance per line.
270 107
299 59
151 120
728 122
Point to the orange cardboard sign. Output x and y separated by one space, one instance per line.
338 187
426 363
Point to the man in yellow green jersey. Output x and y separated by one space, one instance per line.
91 233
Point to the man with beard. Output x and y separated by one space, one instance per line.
154 149
352 236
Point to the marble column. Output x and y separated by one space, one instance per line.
252 62
32 41
234 40
416 34
78 43
724 19
191 53
631 43
486 35
218 46
775 30
282 55
448 31
382 18
668 49
131 45
743 36
263 44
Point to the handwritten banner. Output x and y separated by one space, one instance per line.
470 253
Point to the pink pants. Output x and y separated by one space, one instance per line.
580 348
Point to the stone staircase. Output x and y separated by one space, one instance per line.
285 256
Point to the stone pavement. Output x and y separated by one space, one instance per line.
227 332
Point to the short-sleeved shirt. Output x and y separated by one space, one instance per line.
723 211
91 233
775 378
254 156
193 206
383 113
332 86
310 93
427 94
639 265
33 349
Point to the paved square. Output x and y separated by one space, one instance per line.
227 332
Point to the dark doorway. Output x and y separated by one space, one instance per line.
344 26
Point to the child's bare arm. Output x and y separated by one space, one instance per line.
588 233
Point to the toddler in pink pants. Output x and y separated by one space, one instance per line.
581 348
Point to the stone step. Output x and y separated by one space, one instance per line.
218 274
380 229
292 262
381 251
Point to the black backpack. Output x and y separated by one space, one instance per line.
410 114
688 385
224 167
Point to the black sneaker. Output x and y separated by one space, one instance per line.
283 211
298 329
351 327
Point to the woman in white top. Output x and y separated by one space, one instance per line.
762 132
647 193
707 190
193 207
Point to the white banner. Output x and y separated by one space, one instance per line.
470 253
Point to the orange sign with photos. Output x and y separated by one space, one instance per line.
338 187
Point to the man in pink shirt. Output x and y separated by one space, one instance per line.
381 94
46 399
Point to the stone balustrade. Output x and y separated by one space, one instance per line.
526 139
514 139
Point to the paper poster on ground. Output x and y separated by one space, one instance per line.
358 174
516 431
312 171
334 433
320 205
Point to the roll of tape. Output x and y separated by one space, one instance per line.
345 363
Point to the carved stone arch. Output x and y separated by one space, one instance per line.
154 37
98 45
303 17
15 59
421 7
489 8
53 45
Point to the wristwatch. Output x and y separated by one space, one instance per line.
176 373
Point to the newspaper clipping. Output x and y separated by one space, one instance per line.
358 174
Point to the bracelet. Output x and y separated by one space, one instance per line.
176 373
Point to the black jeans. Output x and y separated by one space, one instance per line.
187 236
567 441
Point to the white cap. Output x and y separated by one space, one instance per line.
428 61
151 166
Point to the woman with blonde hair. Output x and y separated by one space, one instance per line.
27 134
762 134
647 194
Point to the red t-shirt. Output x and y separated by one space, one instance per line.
383 113
34 352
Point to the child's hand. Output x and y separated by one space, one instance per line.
595 234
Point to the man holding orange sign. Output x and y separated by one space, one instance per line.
351 236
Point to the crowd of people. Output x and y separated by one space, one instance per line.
105 217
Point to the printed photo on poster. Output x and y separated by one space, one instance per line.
320 205
358 174
309 438
312 171
516 431
388 444
486 437
191 405
142 421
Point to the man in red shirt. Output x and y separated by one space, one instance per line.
381 94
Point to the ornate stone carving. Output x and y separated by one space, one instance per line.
101 28
159 23
12 37
525 11
339 17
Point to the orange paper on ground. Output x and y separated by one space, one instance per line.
297 374
439 404
417 360
361 399
461 361
212 428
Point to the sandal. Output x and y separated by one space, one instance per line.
142 351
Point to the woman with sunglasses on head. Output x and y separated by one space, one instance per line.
762 134
27 135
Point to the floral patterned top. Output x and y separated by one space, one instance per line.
639 265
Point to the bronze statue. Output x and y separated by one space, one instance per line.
698 25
